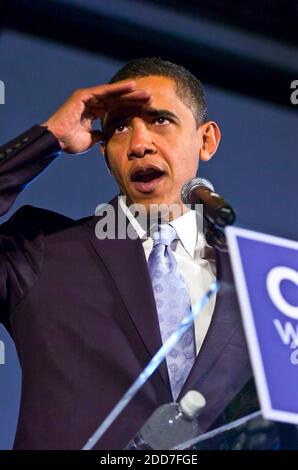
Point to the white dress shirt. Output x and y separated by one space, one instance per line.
195 258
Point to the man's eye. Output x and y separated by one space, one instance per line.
161 120
120 128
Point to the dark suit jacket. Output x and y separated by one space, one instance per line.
82 314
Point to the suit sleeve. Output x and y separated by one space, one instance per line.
21 241
21 258
22 159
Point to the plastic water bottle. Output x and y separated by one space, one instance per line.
170 424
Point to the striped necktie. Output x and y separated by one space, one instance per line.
172 304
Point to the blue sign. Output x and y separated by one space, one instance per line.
266 275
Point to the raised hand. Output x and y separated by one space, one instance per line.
72 123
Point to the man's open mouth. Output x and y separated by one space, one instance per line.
147 178
144 175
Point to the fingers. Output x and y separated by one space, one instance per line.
112 89
121 103
122 93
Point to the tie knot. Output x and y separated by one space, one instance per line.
165 235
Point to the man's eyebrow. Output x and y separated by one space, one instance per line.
160 112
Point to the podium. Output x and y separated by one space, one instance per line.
252 432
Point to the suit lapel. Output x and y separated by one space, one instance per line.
216 352
125 260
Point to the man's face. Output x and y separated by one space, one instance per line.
153 149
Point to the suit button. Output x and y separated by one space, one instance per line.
8 151
25 139
2 155
17 145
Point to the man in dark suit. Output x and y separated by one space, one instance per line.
82 310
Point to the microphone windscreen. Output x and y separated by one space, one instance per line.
191 184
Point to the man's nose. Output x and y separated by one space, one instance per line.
140 143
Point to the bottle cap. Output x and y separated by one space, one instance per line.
192 403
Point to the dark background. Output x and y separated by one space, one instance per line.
245 53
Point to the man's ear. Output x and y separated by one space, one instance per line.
103 149
210 137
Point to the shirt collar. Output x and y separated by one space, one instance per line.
185 226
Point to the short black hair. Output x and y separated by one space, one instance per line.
188 88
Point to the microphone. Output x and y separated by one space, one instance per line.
216 209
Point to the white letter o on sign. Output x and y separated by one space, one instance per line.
274 278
